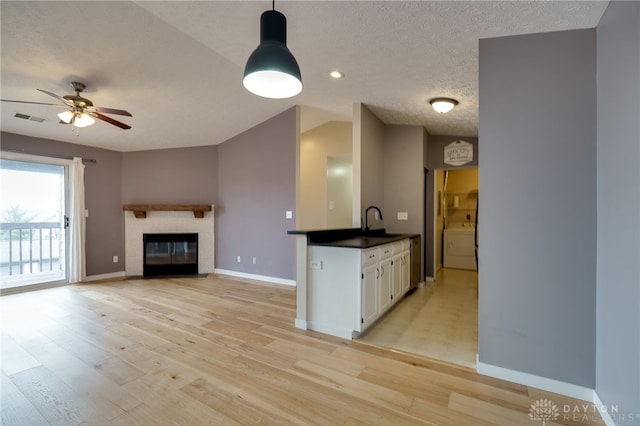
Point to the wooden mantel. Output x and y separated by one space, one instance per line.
140 210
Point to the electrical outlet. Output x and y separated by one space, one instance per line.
254 260
288 214
376 215
316 264
403 216
238 259
115 259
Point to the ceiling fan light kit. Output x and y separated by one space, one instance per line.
81 112
83 120
271 70
443 105
66 116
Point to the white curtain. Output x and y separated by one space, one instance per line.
77 260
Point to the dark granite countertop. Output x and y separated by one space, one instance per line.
351 237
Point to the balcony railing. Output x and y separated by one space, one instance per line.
27 248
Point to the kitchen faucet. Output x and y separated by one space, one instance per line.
366 216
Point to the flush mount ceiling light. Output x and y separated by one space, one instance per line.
336 74
271 70
443 105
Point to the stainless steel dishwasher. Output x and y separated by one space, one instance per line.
416 257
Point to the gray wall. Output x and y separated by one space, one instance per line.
618 278
538 185
105 224
435 160
403 183
404 178
171 176
371 144
257 184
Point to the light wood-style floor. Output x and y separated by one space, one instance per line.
438 320
222 351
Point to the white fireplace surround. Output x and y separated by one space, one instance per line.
168 222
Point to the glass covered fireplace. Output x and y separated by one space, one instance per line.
170 254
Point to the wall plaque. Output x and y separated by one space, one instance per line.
458 153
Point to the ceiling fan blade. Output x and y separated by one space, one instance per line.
110 120
29 102
112 111
60 98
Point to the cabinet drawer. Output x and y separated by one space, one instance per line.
400 246
385 251
370 256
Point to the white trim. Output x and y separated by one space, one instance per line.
35 158
32 287
606 417
112 275
301 324
255 277
550 385
429 279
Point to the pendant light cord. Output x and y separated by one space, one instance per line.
273 4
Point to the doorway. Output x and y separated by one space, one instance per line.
33 223
440 319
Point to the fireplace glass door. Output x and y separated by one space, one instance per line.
170 254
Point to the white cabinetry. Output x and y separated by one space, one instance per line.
369 287
401 266
406 269
336 304
396 279
384 279
375 293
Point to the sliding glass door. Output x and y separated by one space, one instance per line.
33 224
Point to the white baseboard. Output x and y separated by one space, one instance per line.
109 276
301 324
550 385
429 279
273 280
602 409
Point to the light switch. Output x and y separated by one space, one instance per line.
316 264
403 215
288 214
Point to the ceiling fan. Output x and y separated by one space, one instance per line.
81 110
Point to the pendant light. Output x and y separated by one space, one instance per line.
271 70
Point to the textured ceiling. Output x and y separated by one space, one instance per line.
177 65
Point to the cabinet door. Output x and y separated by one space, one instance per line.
406 271
397 265
369 295
385 284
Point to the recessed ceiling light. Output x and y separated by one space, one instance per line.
336 74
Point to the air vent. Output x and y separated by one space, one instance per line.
29 117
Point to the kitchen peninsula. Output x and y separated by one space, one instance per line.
348 278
